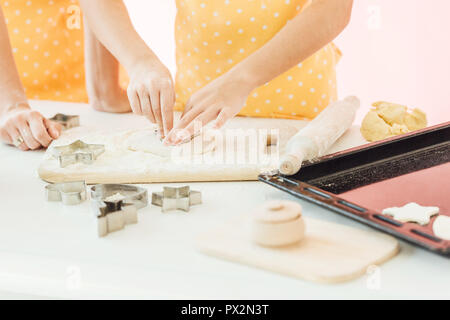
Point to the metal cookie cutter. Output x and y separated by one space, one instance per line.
181 198
66 121
78 151
129 194
116 205
69 193
113 216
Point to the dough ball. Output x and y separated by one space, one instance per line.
373 128
390 119
278 224
416 120
392 113
398 129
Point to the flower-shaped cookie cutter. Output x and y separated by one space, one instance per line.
69 193
77 151
66 121
178 198
116 205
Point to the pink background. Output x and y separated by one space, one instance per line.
405 60
394 50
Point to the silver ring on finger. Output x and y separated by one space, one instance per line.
18 141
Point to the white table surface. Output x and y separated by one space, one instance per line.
51 251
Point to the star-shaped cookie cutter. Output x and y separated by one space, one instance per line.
66 121
113 216
69 193
129 194
77 151
181 198
116 205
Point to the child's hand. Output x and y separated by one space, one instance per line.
151 93
220 100
27 129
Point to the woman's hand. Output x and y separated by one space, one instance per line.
151 93
220 100
27 129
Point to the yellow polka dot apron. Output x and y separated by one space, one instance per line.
213 36
47 41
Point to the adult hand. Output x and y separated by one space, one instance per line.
151 93
220 100
27 129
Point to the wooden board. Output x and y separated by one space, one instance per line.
115 166
330 253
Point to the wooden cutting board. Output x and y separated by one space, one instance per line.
115 166
330 253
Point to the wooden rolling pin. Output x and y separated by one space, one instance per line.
318 136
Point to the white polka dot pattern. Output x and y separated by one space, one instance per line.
226 32
47 41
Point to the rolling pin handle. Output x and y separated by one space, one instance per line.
290 165
318 135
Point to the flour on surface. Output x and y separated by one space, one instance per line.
115 197
119 164
148 141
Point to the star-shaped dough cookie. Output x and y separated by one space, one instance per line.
412 212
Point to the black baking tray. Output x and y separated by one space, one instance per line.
328 180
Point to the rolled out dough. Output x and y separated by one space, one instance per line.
119 164
441 227
149 161
148 141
